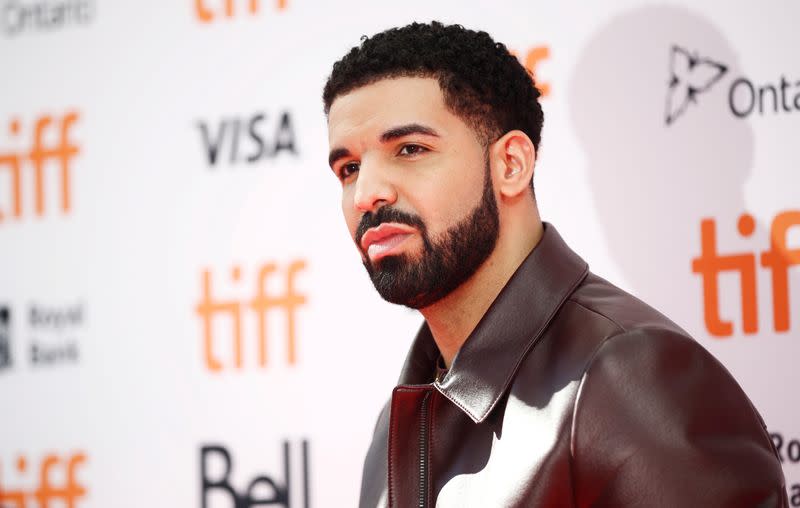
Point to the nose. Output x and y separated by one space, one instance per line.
373 189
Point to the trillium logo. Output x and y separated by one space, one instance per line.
690 75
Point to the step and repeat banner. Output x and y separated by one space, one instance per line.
184 321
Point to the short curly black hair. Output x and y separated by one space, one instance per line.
481 81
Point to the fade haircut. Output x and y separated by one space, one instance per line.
481 82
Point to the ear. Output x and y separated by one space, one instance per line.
512 158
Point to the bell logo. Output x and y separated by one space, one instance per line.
208 10
777 259
68 494
260 304
39 153
262 490
533 57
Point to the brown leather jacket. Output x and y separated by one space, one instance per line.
570 392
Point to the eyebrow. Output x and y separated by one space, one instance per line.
336 154
406 130
389 135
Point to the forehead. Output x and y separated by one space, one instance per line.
386 104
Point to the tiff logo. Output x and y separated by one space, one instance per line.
260 304
533 57
206 14
777 259
68 494
5 337
63 152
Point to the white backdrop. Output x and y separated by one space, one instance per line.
111 222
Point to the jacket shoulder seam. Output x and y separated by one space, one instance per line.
622 329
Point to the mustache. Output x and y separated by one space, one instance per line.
387 214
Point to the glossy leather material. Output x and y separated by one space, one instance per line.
570 392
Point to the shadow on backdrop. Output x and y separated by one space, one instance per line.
649 103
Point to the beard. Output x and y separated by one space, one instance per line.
445 263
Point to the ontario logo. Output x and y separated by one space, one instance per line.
690 75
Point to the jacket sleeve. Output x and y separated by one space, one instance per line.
658 421
374 474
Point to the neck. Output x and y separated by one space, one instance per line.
453 318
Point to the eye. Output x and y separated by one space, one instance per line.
412 149
347 170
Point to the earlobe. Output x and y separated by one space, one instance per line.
515 153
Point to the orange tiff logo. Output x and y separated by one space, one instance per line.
62 152
777 259
260 304
207 14
533 57
46 494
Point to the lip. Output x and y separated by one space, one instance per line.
388 236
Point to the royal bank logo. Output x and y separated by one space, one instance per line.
690 76
55 331
5 337
52 332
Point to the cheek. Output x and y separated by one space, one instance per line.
351 217
453 192
443 210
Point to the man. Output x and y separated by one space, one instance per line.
533 382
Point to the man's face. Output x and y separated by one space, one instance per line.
416 190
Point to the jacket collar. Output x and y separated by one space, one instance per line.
485 365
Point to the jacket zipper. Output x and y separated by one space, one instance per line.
423 452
